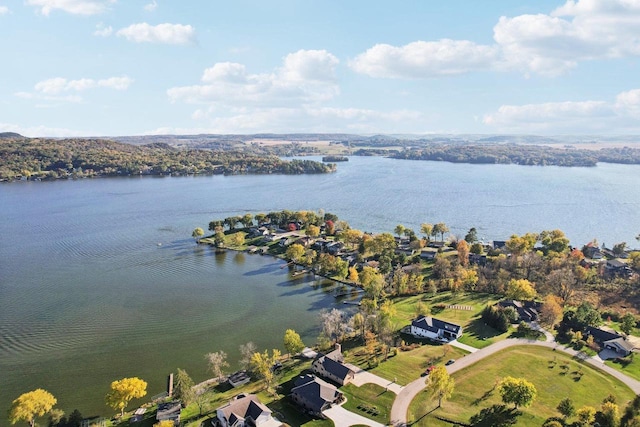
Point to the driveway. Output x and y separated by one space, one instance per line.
364 377
343 418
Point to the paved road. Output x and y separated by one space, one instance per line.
409 392
343 418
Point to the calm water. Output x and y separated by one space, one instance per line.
99 279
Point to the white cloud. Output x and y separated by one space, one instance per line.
4 10
150 7
76 7
546 44
57 85
423 59
50 99
306 76
570 116
102 30
162 33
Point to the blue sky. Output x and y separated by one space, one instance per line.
130 67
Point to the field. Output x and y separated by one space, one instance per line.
555 375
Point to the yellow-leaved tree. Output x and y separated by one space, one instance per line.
30 405
123 391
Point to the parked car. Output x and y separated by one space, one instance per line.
450 362
428 370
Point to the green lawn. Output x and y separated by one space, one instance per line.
369 400
407 366
555 375
628 366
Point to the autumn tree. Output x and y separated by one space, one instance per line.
125 390
334 324
312 231
183 387
197 233
519 245
439 384
427 230
164 423
551 311
358 323
247 220
608 415
262 365
217 361
520 290
246 352
353 275
554 242
28 406
292 342
518 391
586 415
463 252
295 252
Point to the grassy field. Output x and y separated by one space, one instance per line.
475 333
628 366
555 375
369 400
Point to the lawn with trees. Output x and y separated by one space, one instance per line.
553 374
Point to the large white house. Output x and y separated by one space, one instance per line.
435 329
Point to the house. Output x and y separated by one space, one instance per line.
615 267
169 411
314 394
527 310
435 329
619 345
331 366
245 411
499 244
428 254
478 259
600 335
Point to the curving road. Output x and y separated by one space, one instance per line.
409 392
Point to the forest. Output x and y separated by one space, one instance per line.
44 158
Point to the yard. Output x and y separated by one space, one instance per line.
474 332
555 375
369 400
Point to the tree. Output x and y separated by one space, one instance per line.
295 253
551 311
441 228
358 323
164 423
353 274
260 218
519 245
608 415
587 315
518 391
399 230
197 233
183 387
246 351
554 241
312 231
566 408
463 252
262 365
30 405
217 362
247 220
427 230
232 221
292 342
219 237
440 384
619 248
520 290
334 324
627 323
472 236
586 415
123 391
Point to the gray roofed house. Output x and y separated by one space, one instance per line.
436 329
330 366
245 410
169 411
619 345
527 310
314 394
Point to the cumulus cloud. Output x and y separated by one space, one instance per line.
75 7
58 85
570 116
423 59
4 10
306 76
102 30
546 44
162 33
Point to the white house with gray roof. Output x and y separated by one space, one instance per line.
435 329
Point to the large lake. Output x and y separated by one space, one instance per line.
99 279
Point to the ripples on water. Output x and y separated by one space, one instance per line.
99 278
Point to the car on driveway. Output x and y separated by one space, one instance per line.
450 362
428 370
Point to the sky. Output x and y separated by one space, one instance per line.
134 67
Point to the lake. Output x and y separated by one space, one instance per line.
100 279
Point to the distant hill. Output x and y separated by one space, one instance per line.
10 135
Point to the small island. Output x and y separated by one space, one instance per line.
334 158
